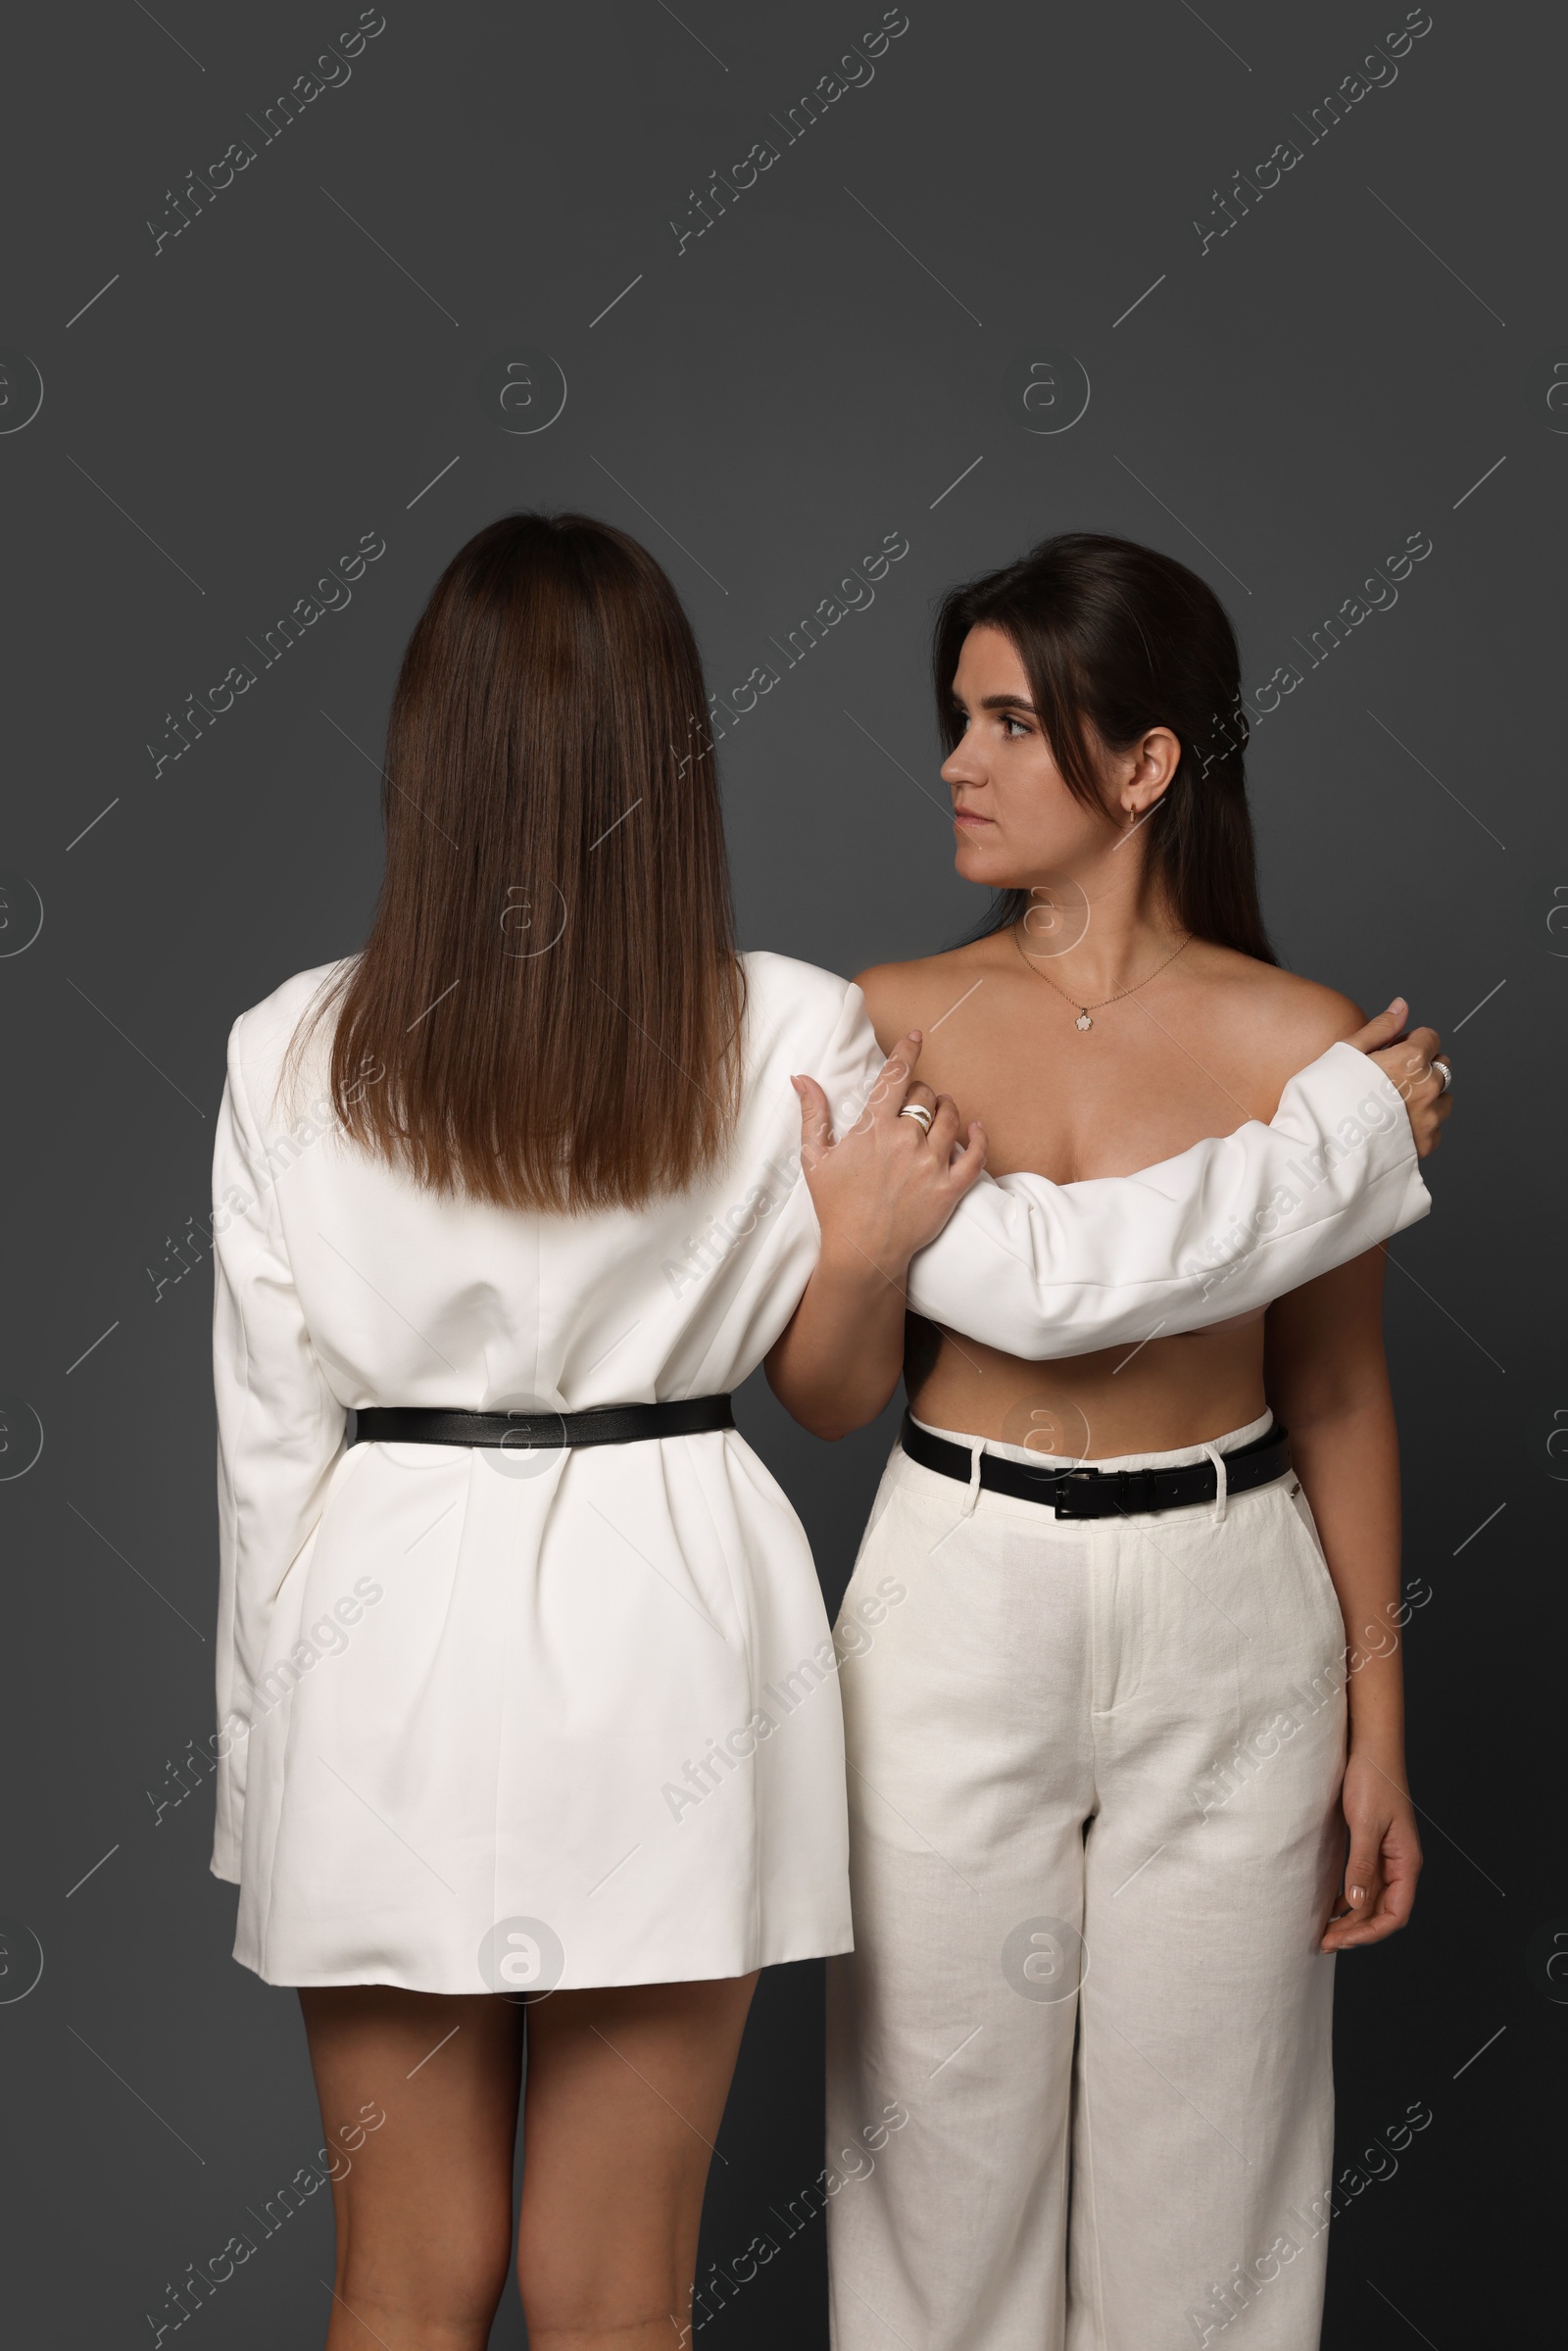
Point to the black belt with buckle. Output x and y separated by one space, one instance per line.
1089 1493
543 1432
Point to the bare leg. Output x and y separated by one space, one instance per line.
423 2199
626 2087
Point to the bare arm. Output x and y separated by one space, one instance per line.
1327 1381
880 1193
839 1358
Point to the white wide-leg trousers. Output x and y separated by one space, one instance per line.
1079 2088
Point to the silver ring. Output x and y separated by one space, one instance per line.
918 1111
1448 1074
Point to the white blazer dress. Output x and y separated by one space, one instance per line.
526 1719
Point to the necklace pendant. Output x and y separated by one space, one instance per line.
1083 1020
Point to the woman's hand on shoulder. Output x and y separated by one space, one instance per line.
1305 1020
887 1186
1410 1062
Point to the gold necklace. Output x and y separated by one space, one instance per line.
1083 1020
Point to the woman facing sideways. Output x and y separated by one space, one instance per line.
504 1754
1104 1833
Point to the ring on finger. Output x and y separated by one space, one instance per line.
1441 1063
918 1112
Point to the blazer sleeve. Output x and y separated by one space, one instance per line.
1042 1270
281 1433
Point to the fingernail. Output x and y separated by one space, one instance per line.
1358 1894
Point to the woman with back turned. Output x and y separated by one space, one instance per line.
1103 1830
530 1707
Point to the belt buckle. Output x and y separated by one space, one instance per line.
1065 1488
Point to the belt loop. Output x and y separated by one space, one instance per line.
1221 1485
977 1454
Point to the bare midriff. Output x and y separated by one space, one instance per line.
1167 1393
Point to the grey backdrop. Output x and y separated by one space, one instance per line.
516 256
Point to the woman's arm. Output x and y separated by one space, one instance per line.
281 1432
1328 1382
880 1193
1044 1270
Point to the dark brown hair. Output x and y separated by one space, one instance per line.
546 1012
1115 639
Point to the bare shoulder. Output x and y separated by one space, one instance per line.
900 996
1288 1021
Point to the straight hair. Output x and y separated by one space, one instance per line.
1114 639
547 1012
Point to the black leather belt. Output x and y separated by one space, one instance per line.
543 1432
1091 1492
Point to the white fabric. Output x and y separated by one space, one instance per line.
457 1689
1093 1771
1059 1269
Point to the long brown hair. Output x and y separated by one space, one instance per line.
1115 639
549 1003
